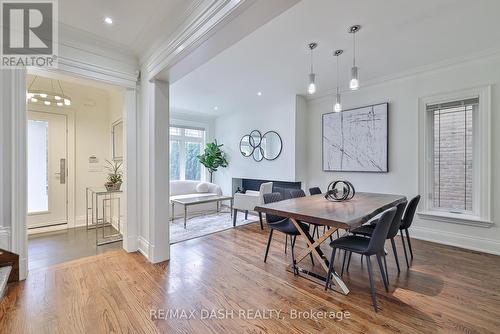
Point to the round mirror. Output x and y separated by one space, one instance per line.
255 138
258 154
271 145
246 147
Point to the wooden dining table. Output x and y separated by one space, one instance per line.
317 210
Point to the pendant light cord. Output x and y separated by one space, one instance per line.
312 70
338 74
354 48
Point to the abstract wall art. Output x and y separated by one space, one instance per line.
356 140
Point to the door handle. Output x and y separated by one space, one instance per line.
62 171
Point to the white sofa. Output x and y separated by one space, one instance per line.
187 189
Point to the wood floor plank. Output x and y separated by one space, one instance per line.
447 290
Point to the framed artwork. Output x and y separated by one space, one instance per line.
356 140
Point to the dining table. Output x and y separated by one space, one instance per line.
334 215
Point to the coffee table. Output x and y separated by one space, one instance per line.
186 202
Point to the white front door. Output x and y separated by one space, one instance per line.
47 169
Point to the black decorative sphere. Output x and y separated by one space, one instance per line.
339 191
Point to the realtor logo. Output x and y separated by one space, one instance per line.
29 33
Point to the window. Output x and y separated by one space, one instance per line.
38 178
185 145
453 152
454 160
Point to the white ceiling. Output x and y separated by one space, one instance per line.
396 36
137 25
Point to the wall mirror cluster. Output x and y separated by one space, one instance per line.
267 146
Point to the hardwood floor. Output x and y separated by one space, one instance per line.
46 249
446 290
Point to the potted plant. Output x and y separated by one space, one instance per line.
213 158
115 176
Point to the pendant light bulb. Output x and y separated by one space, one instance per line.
311 89
354 83
338 104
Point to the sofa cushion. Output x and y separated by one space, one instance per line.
202 187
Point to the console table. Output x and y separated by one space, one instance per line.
97 198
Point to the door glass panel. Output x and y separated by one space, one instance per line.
175 170
193 166
38 185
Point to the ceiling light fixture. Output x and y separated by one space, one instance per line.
216 108
259 93
311 88
48 97
354 83
108 20
337 107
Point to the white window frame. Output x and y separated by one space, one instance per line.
183 139
481 215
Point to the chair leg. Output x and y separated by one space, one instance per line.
235 213
409 243
260 219
286 242
349 261
315 228
330 269
372 283
246 214
382 272
386 271
404 248
395 253
268 244
294 265
343 263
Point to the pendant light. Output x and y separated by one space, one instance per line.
354 83
337 107
311 88
52 96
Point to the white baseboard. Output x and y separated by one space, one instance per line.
144 247
457 240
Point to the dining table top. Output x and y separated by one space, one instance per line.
318 210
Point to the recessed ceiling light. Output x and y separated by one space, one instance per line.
108 20
259 93
216 108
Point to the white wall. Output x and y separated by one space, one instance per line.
230 127
403 95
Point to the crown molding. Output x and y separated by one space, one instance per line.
195 30
493 53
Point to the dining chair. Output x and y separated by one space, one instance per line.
315 191
367 231
366 247
283 225
405 225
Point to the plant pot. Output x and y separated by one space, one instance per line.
113 186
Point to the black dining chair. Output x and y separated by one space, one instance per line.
366 247
297 193
405 225
283 225
367 231
315 191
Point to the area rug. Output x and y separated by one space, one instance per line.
201 225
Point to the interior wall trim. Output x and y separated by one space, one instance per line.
197 28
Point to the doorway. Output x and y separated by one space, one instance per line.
47 169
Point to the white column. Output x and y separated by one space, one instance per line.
14 169
130 204
158 124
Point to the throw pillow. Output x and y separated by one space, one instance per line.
202 187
